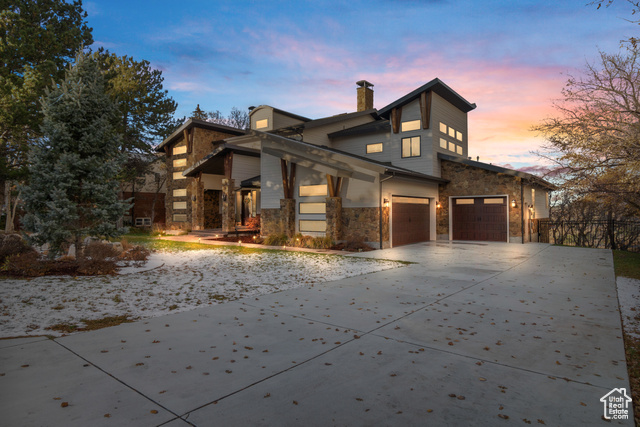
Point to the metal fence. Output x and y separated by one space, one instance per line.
622 235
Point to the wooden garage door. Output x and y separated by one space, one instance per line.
410 220
480 218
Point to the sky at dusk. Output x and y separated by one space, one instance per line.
510 57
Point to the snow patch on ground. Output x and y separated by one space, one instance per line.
629 298
169 282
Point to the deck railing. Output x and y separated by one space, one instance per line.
621 235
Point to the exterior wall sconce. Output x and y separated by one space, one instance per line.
438 205
386 203
513 203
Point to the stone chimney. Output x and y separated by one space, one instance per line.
365 95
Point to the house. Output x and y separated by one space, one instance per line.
146 192
390 177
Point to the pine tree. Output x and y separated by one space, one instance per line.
73 187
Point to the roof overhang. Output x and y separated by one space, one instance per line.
213 163
177 135
499 169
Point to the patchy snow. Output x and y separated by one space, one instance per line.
169 282
629 297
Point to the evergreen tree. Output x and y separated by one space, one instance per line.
73 190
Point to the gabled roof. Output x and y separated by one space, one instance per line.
340 117
376 126
438 87
498 169
282 112
175 136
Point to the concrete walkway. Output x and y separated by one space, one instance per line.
473 334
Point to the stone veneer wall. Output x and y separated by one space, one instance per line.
288 216
364 224
212 216
270 222
334 218
470 181
202 139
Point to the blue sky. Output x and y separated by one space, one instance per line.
509 57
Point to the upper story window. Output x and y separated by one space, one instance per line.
411 146
178 175
261 124
179 150
374 148
408 126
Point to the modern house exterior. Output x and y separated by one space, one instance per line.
390 177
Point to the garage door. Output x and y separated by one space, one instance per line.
409 220
480 218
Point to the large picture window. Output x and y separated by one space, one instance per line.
411 147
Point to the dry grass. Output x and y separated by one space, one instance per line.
91 325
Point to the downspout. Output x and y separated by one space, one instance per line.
522 209
380 205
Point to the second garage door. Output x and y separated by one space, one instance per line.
409 220
480 218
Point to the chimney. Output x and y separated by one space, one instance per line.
365 95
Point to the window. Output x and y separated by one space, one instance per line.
493 201
443 128
178 175
180 193
464 201
412 125
179 163
546 198
411 147
312 190
411 200
443 143
374 148
261 124
179 217
452 147
179 205
142 222
452 132
309 225
533 196
313 208
459 149
179 150
459 136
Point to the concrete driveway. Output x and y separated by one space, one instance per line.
472 334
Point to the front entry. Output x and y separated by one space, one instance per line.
410 220
480 218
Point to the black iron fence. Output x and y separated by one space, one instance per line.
622 235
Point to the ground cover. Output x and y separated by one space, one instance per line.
627 268
179 276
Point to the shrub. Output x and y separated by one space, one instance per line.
157 230
125 245
276 239
25 264
12 244
253 223
135 253
99 251
322 242
93 267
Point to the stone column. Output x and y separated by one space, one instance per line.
197 205
288 216
334 218
228 206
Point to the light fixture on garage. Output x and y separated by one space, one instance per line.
386 203
438 205
513 203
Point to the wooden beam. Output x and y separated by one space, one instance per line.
228 165
425 109
396 116
338 186
292 179
285 179
332 191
